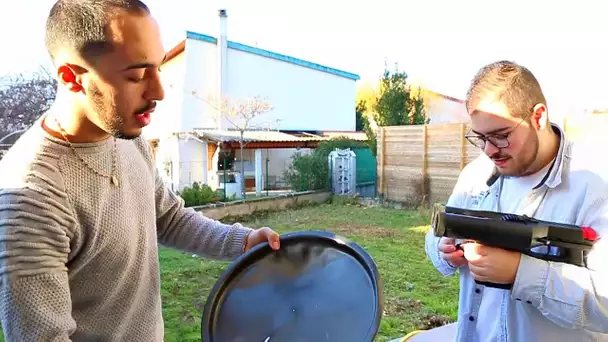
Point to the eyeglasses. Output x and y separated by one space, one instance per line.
498 140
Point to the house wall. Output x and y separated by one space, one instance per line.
302 98
182 161
200 86
440 109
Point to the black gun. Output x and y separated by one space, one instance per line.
539 239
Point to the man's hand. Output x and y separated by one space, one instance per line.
489 264
449 253
261 235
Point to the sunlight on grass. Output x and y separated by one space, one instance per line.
420 229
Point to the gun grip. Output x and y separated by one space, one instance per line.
494 285
487 284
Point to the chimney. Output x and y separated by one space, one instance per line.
222 53
223 18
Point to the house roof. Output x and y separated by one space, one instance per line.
254 135
179 48
273 139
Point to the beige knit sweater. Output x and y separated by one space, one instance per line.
78 256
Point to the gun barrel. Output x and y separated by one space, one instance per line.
502 234
507 231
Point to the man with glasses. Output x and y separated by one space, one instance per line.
528 167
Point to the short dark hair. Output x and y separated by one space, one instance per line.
81 25
512 83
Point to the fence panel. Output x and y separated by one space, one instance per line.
422 162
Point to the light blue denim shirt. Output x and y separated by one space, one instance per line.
549 301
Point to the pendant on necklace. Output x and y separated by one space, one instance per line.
114 180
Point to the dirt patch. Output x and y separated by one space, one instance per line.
434 321
397 307
365 230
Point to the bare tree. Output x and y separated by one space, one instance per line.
23 99
243 115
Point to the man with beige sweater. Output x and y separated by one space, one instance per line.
82 206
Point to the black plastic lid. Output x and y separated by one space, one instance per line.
317 287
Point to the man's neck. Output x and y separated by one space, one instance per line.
64 120
547 151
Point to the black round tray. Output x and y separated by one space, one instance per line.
317 287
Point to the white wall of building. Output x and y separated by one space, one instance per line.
303 98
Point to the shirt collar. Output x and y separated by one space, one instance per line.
554 176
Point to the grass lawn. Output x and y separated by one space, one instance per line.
416 296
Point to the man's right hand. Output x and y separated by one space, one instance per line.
449 253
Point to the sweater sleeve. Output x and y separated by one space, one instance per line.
35 235
188 230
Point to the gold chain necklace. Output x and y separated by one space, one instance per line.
112 176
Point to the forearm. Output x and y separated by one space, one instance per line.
570 296
187 230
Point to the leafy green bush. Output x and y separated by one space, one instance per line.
199 195
311 171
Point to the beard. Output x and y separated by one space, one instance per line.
522 161
109 115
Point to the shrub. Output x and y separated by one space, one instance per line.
199 195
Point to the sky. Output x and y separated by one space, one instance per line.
440 43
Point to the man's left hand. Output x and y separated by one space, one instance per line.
489 264
261 235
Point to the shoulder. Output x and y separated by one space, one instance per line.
30 174
31 162
585 164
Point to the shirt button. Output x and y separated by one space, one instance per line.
471 318
477 290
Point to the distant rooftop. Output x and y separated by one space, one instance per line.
260 52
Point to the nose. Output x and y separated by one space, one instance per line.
490 149
155 91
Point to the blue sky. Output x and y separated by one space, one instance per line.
439 43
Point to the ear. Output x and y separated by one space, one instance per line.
540 117
70 77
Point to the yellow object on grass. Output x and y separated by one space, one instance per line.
407 337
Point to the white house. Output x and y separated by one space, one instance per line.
309 102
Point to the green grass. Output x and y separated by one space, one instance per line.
415 295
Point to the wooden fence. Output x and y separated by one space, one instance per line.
422 160
421 163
